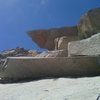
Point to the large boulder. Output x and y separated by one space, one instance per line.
89 46
45 38
89 23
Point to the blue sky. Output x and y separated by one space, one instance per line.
19 16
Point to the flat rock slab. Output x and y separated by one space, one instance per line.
89 47
30 67
52 89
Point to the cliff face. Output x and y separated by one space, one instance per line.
45 38
89 23
86 60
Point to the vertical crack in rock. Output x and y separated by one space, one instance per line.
3 64
99 59
98 97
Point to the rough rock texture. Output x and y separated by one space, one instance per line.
33 53
55 64
45 38
89 23
17 68
90 46
53 89
55 53
13 52
17 52
61 43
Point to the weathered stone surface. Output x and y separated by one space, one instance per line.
53 89
55 53
89 23
33 53
90 46
61 43
23 67
45 38
13 52
17 52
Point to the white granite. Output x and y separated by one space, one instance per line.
90 46
52 89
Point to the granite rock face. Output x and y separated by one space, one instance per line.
89 46
89 23
45 38
61 43
53 89
14 52
17 52
18 68
55 53
86 60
